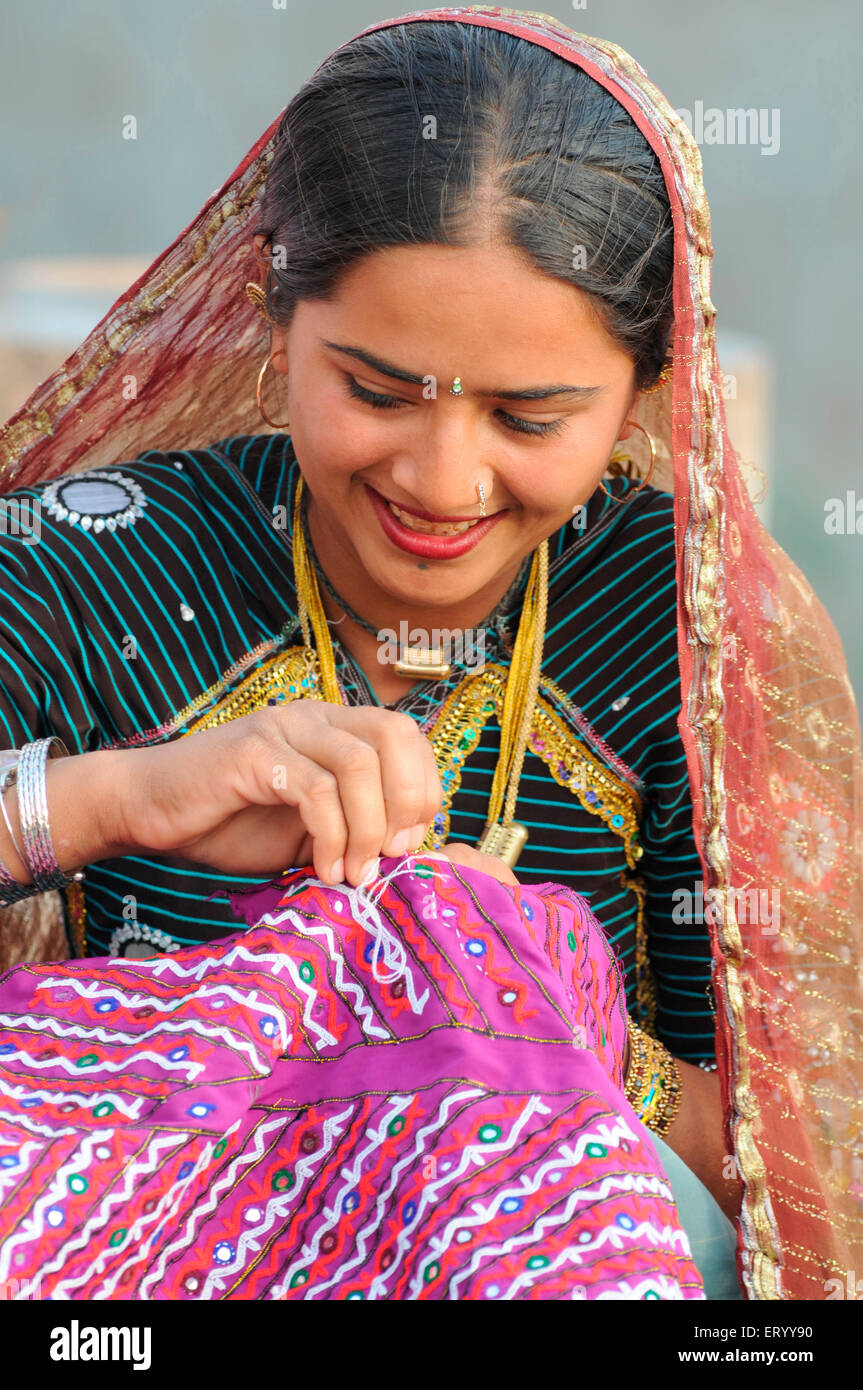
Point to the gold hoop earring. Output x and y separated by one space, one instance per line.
621 501
259 392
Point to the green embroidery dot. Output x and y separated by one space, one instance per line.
423 870
464 741
488 707
77 1183
355 1296
596 1151
537 1262
489 1133
396 1126
220 1148
103 1108
570 940
118 1236
651 1293
88 1061
283 1180
307 972
431 1271
301 1277
602 1036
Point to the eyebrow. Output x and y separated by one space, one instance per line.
529 393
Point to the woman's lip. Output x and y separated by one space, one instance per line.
423 516
429 547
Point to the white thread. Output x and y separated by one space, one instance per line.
364 906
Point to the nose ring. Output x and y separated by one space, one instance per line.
481 490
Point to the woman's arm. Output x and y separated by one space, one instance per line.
696 1136
696 1131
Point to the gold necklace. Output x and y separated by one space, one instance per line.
504 838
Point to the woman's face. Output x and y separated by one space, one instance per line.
546 393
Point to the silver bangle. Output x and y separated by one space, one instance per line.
11 891
6 771
39 852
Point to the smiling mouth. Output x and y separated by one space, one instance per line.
429 528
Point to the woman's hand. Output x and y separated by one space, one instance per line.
475 859
306 782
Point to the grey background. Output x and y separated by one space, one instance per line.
205 77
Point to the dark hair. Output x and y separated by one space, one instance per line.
526 147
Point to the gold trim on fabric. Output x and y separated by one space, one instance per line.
76 906
645 981
285 677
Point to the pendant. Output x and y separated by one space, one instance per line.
421 663
504 841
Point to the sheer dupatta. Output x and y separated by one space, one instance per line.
768 720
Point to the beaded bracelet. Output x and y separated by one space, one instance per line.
652 1081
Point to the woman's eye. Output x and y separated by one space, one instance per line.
515 422
373 397
512 422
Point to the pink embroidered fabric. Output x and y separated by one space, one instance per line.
411 1093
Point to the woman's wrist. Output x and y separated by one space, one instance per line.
84 795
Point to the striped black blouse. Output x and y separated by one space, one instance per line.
157 585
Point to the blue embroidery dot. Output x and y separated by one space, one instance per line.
224 1252
185 1169
409 1211
626 1222
368 953
591 797
9 1161
268 1026
200 1109
511 1204
475 947
351 1202
107 1006
55 1216
7 1048
528 911
30 1103
178 1054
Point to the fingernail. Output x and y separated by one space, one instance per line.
418 834
337 872
401 841
370 867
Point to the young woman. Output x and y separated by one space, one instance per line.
485 250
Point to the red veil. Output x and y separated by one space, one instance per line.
768 719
